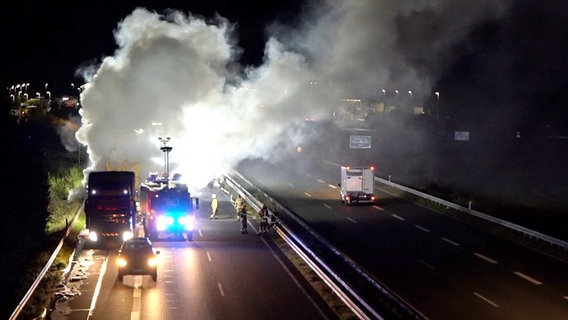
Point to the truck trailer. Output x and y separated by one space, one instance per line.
110 207
357 185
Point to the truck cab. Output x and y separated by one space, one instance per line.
110 207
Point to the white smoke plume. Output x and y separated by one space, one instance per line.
177 75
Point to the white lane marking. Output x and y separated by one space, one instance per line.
137 281
307 194
398 217
221 289
321 181
209 256
136 302
351 220
486 258
427 264
528 278
378 208
486 300
453 243
327 206
417 226
332 186
291 185
98 288
199 231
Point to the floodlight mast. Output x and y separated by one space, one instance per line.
166 150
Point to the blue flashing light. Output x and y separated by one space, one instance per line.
175 221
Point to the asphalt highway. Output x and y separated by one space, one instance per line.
220 274
444 267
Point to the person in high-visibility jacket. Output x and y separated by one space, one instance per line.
239 205
214 207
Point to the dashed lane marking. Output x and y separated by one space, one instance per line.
427 264
419 227
453 243
486 300
528 278
486 258
220 289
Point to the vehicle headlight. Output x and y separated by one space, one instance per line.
163 222
187 221
121 262
93 236
153 261
127 235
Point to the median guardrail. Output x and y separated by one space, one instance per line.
506 224
340 273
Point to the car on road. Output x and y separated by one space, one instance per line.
137 256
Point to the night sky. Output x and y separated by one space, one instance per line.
47 41
514 64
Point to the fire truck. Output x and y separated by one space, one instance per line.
167 209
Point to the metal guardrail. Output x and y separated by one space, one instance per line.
304 252
348 295
526 231
256 205
43 272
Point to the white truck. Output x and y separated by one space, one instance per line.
357 185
